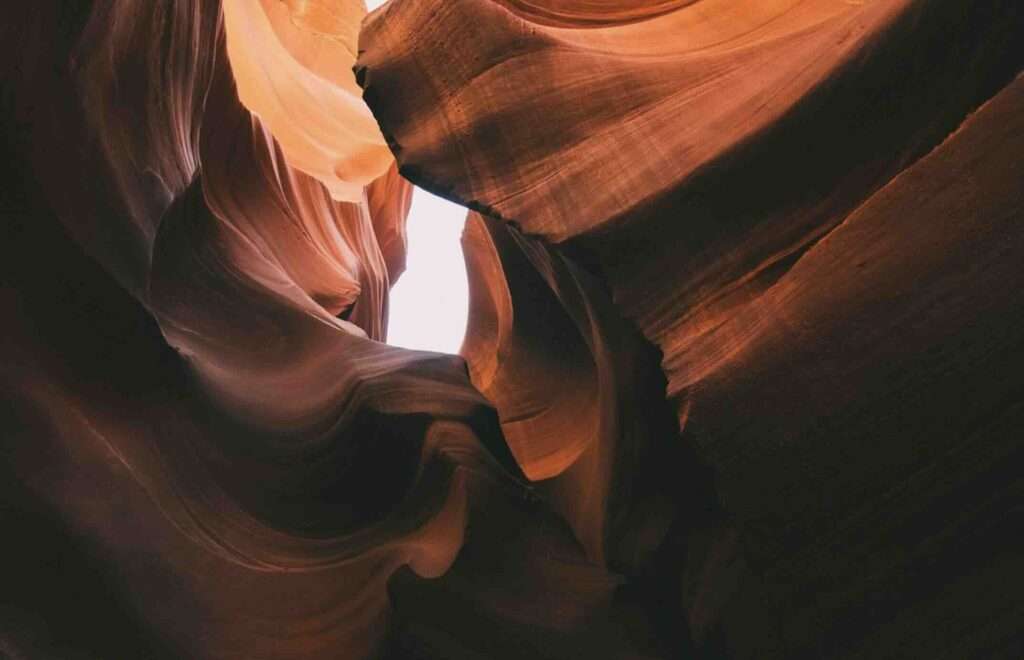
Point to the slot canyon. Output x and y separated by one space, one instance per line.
742 349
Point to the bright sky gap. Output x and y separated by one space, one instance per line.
429 304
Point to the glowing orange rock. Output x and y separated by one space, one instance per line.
293 67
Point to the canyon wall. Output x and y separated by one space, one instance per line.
742 376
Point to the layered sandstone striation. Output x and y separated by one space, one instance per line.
808 208
204 436
741 377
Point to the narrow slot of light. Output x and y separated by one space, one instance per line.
429 305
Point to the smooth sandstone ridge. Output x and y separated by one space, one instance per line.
742 376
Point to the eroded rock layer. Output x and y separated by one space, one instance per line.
809 208
742 376
206 454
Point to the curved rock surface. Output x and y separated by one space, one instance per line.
742 372
201 458
292 64
807 206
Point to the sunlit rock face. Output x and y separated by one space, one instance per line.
808 208
201 433
742 370
292 64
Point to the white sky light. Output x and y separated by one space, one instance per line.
429 304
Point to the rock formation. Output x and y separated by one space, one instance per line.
743 370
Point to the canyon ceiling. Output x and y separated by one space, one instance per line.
744 369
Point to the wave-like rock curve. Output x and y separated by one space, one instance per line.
742 372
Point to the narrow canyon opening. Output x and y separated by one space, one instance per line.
743 375
429 304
